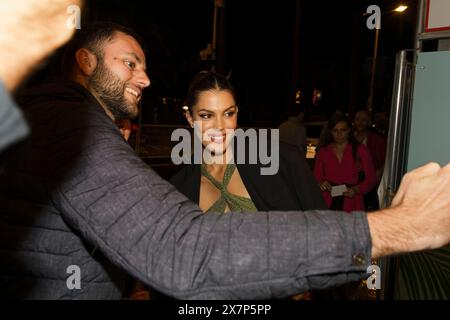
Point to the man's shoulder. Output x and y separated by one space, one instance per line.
59 91
363 149
377 137
59 99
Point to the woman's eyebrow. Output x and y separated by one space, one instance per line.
230 107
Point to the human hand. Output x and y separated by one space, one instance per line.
325 186
351 192
419 218
31 30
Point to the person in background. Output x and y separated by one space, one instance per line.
293 131
376 144
325 133
342 161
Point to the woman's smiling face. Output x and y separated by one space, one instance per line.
216 113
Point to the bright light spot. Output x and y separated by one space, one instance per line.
401 8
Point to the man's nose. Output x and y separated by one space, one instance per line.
143 80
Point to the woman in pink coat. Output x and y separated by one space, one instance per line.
342 161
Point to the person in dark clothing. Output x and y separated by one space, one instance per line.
376 144
293 131
80 211
211 101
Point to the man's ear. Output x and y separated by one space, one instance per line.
86 61
189 119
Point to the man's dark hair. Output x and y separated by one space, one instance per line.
93 37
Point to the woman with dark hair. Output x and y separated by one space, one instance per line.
223 185
343 164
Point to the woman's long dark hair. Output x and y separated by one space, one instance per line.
205 81
334 120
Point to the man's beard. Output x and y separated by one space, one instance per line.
111 90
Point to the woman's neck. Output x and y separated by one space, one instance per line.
216 164
339 145
339 148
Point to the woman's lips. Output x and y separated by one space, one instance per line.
217 139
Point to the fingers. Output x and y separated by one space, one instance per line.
350 193
414 175
325 186
445 170
425 170
424 205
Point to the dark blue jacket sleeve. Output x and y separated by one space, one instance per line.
12 124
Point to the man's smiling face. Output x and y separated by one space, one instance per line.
120 76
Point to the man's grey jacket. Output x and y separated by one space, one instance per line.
75 195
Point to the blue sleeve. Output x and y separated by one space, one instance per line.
12 124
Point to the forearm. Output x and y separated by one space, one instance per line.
392 233
179 251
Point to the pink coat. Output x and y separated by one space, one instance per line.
328 168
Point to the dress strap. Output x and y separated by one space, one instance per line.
222 186
234 202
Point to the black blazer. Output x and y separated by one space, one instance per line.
292 188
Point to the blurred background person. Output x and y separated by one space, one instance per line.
343 161
365 134
293 131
